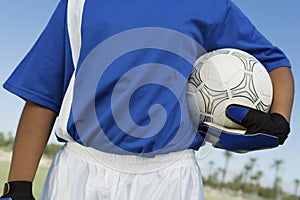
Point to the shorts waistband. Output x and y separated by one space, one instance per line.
131 163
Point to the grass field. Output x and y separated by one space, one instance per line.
39 179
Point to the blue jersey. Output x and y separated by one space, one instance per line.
116 71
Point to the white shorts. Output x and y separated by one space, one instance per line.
80 173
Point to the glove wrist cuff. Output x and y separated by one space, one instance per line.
283 126
16 189
282 120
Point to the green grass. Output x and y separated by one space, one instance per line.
38 182
4 167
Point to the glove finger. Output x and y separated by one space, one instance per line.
237 113
253 120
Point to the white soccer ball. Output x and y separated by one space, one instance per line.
223 77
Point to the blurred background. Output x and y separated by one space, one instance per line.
268 174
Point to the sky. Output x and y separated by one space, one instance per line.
21 22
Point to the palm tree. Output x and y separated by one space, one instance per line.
252 164
276 165
253 161
227 155
258 176
215 177
238 178
256 180
277 188
247 168
211 167
297 184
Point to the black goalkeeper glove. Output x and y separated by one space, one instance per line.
263 130
18 190
256 121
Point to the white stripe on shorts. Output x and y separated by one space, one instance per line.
79 173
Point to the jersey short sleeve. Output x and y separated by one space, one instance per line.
235 30
42 76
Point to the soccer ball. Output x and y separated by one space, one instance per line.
223 77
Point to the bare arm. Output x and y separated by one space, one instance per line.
33 132
283 86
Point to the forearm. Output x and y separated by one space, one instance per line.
33 132
283 87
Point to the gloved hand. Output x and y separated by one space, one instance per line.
263 130
18 190
256 121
